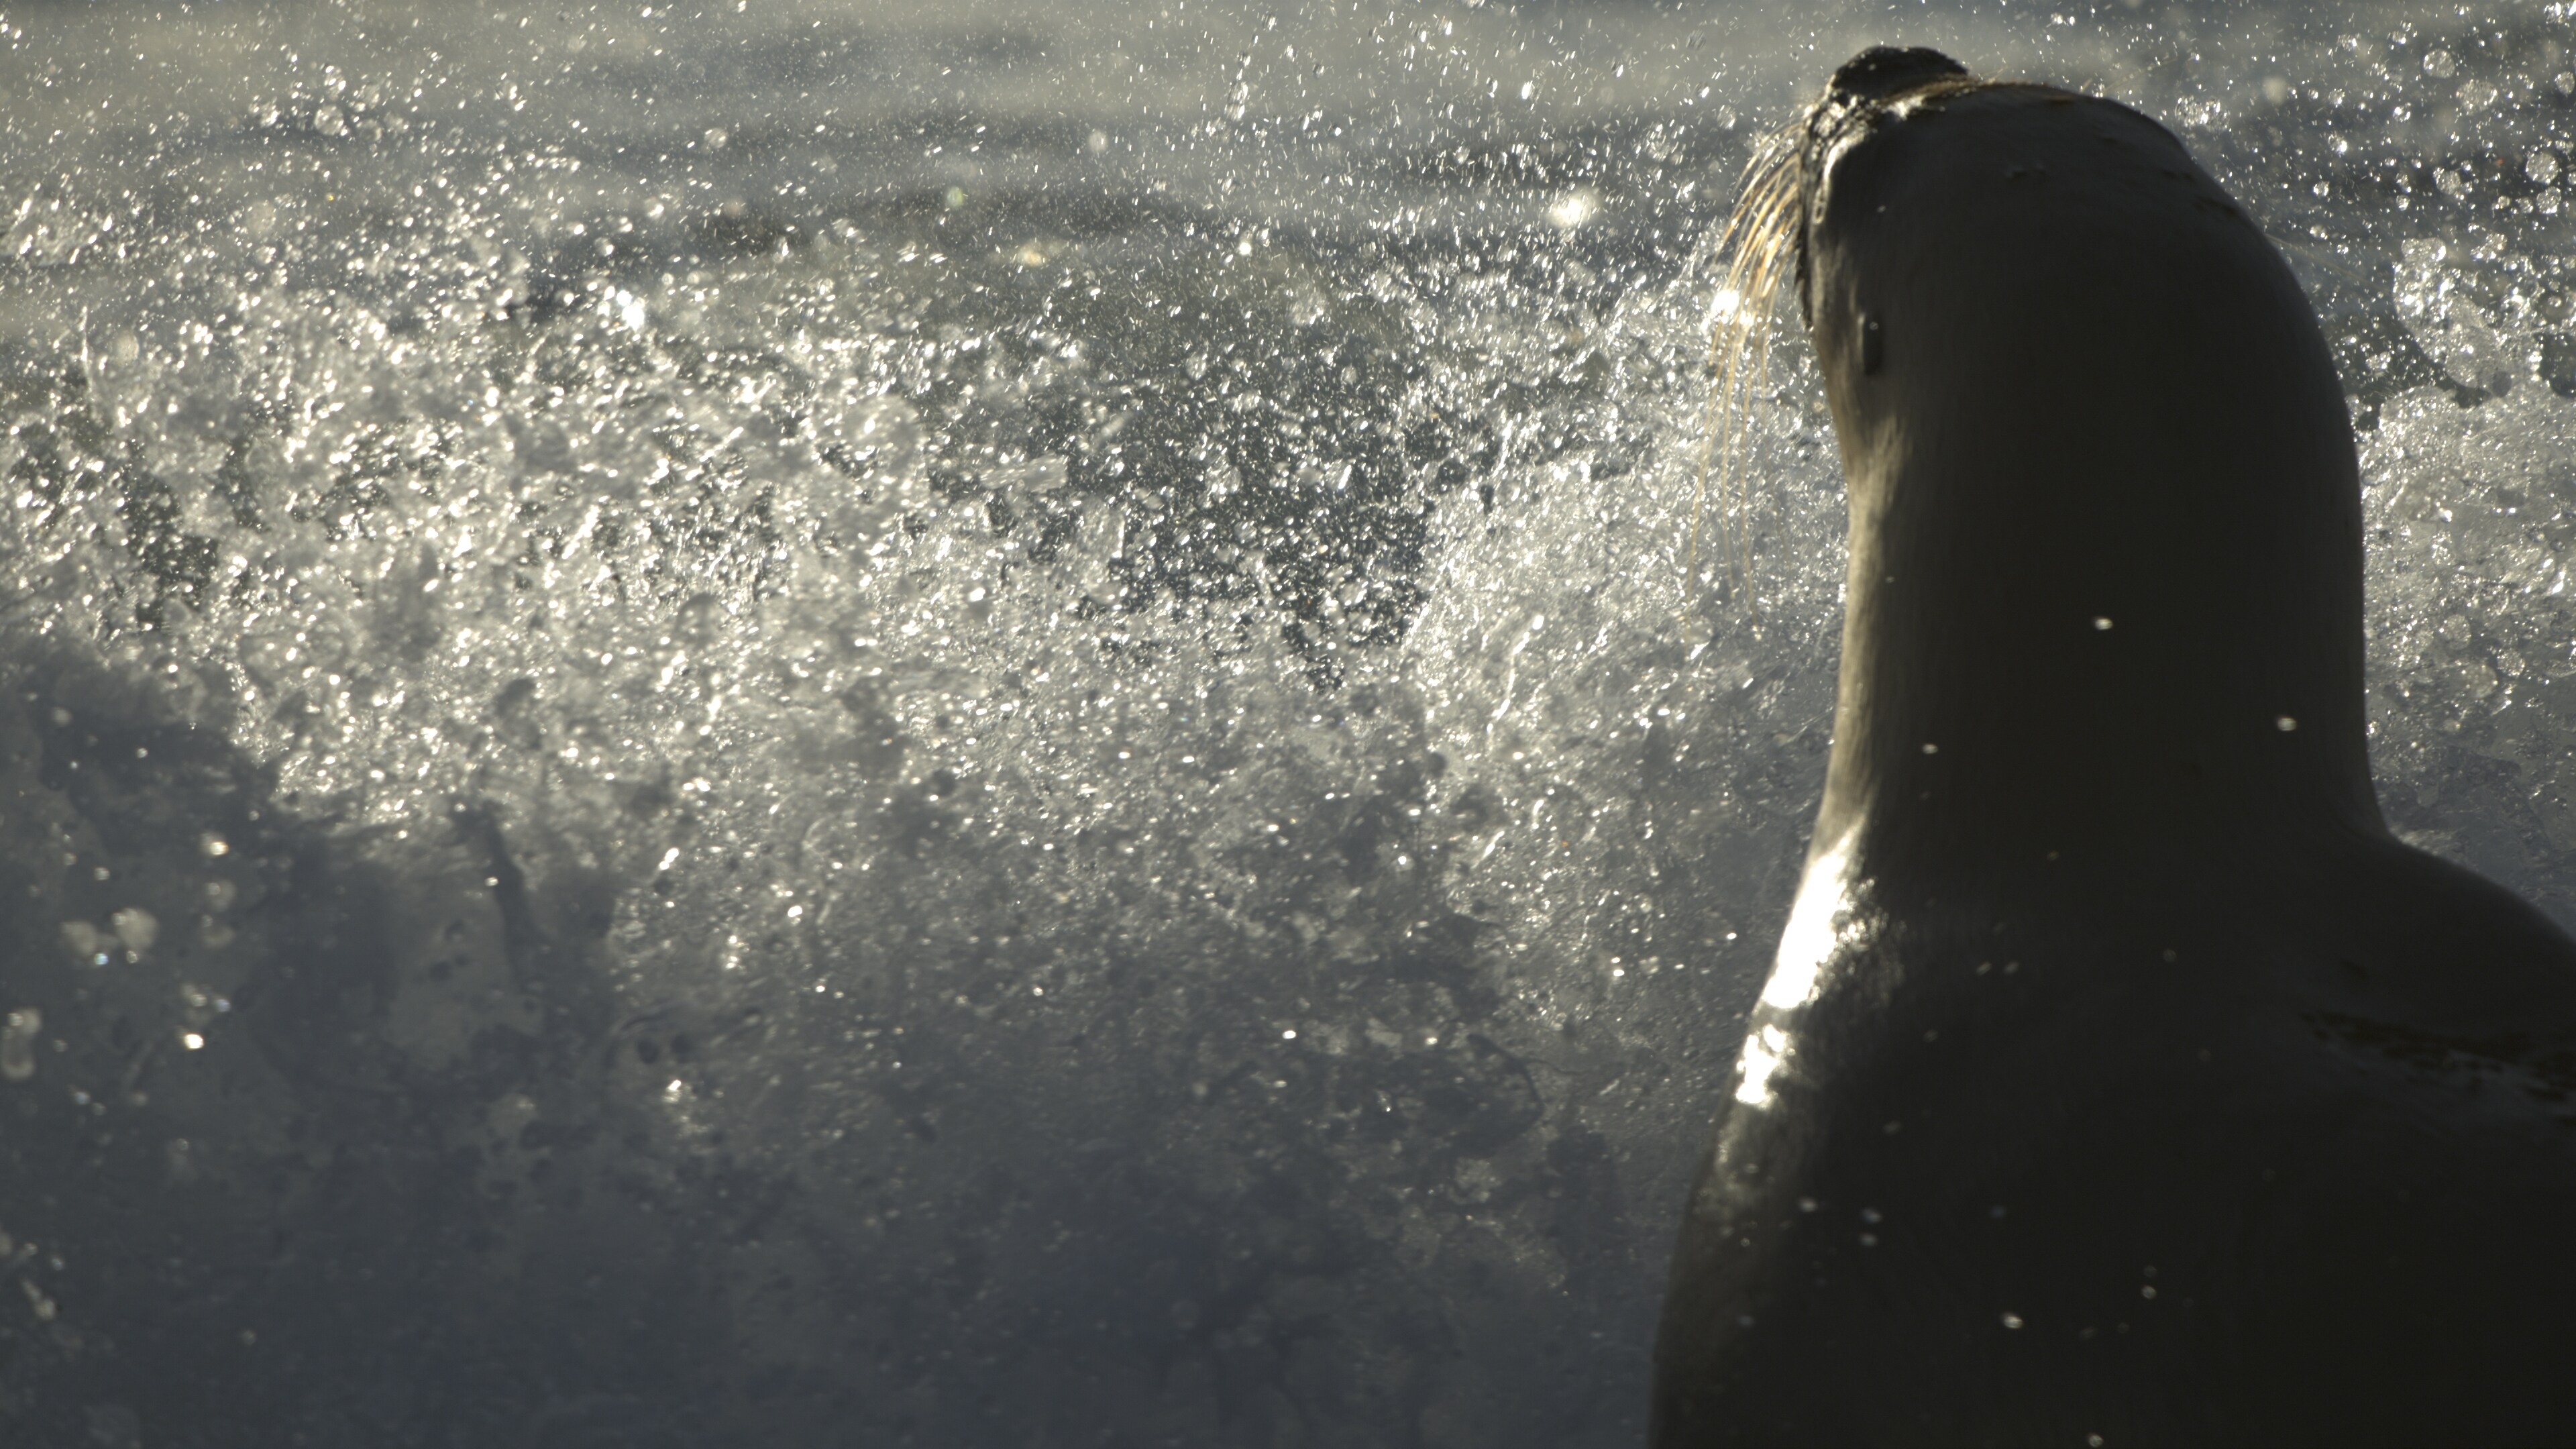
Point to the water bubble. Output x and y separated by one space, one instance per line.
18 1043
87 942
136 927
112 1426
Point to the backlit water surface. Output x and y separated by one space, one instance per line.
992 724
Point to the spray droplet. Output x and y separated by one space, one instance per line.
18 1044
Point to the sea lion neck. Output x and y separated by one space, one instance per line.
2105 550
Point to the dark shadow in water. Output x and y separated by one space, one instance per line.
418 1183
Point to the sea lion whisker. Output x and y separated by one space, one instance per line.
2319 255
1750 244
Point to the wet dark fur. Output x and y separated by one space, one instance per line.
2149 1089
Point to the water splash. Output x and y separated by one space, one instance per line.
925 730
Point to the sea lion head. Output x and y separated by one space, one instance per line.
2105 526
1854 100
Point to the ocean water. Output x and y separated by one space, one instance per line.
745 722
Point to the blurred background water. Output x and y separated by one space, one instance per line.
758 722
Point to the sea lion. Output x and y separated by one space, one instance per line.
2121 1079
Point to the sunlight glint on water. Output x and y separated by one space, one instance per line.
970 726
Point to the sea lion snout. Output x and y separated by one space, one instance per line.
1853 100
1886 70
